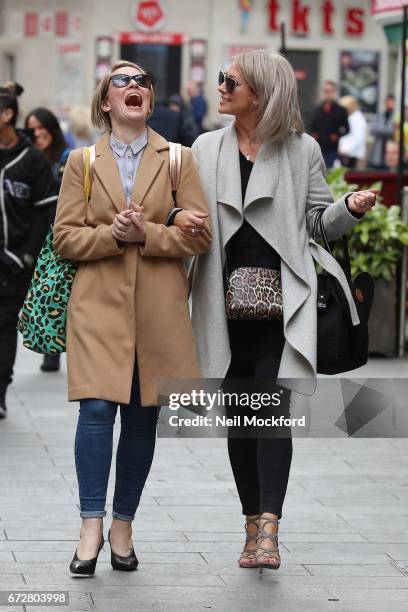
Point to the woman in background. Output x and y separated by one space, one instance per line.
49 139
353 146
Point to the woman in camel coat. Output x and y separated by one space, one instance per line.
128 317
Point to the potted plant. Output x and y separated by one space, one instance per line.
376 246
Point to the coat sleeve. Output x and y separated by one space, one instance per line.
337 219
73 238
163 241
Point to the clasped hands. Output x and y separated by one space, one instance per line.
129 225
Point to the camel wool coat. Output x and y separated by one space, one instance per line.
286 188
128 301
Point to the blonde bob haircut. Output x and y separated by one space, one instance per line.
272 79
100 118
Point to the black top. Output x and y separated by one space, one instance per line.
329 123
247 247
27 191
252 340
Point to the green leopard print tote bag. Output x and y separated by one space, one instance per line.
42 320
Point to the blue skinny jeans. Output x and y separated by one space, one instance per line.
93 453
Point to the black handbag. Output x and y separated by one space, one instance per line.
341 347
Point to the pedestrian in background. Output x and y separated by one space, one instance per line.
80 130
382 129
198 104
353 146
165 121
49 139
27 192
128 316
188 126
264 181
329 122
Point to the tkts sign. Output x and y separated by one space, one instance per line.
300 14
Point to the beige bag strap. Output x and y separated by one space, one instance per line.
175 165
89 158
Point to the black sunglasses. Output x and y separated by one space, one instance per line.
230 83
122 80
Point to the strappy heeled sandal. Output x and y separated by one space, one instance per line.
267 557
247 558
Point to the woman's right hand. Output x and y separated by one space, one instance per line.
190 222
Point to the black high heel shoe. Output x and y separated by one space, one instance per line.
85 567
123 564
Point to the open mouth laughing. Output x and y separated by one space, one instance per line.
133 100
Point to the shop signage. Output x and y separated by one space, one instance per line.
300 14
386 6
61 23
31 25
134 38
46 24
149 15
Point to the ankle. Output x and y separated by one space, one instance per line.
121 527
269 515
91 526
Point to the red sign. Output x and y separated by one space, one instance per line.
149 15
385 6
61 23
31 24
126 38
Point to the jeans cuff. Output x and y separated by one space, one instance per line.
122 517
93 514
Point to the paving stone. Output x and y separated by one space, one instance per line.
358 569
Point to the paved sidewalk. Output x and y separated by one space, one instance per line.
344 535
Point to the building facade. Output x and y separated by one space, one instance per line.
58 49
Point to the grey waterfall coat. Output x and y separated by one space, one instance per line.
285 190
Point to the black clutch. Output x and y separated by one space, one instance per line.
341 347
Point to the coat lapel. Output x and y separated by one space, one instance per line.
265 174
229 180
106 169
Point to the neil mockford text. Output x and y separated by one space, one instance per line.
254 401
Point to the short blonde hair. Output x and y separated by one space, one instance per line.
272 79
101 118
350 103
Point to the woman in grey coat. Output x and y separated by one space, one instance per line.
264 182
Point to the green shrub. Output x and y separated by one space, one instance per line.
376 243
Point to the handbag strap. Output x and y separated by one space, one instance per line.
89 159
175 167
318 223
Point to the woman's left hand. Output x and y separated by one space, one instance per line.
362 201
129 226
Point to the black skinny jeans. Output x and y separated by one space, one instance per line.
260 465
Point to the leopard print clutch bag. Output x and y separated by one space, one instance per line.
254 293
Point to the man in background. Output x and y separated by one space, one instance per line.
382 129
329 123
